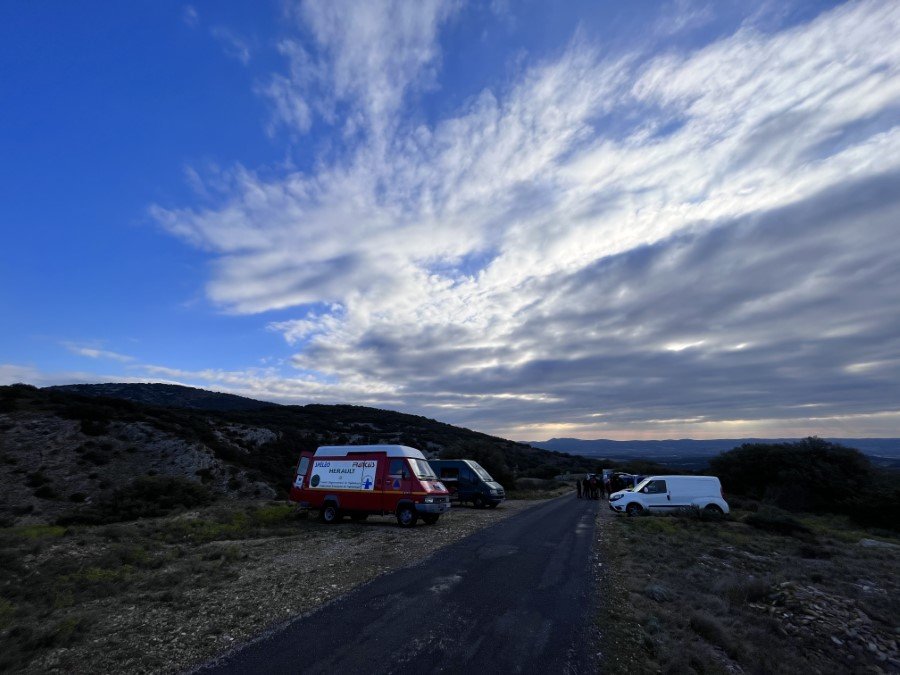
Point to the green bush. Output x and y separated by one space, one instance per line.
776 520
144 497
809 475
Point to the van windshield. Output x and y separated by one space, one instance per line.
422 468
482 474
639 486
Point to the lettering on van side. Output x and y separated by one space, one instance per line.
343 475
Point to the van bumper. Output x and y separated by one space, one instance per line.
615 508
433 508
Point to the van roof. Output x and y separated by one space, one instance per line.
682 478
389 450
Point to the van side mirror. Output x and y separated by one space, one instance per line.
645 490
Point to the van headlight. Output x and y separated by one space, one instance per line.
428 500
495 491
616 498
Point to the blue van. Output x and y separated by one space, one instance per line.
467 481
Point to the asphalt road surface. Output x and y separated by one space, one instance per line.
516 597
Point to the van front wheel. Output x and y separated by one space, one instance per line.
634 509
406 516
713 511
478 502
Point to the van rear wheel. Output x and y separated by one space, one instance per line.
634 509
329 513
406 516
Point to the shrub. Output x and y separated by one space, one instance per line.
94 427
36 479
711 630
45 492
809 475
776 520
144 497
878 505
738 590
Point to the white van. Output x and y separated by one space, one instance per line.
662 494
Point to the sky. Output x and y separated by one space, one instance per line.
586 219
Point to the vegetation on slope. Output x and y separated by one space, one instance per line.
812 476
96 445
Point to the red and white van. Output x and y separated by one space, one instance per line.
364 480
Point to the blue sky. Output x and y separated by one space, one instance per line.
626 220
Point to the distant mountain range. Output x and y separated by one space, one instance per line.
690 453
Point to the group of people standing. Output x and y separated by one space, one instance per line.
591 487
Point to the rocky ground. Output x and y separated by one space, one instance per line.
163 595
50 465
684 595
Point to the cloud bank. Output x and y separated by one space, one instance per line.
683 242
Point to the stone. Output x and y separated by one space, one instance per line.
876 543
658 592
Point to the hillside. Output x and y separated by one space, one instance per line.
166 396
60 450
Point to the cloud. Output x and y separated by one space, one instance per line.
189 15
683 15
95 353
370 56
234 45
11 373
610 242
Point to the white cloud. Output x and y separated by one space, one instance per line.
434 245
92 352
234 45
11 373
372 55
189 15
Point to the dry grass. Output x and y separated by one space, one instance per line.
757 593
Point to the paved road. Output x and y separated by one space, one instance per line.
514 597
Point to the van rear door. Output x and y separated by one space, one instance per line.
449 476
300 476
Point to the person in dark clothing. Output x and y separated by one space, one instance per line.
578 487
594 493
586 488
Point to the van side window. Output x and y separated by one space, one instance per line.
448 473
655 487
398 468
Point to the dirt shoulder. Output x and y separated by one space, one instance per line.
684 595
164 595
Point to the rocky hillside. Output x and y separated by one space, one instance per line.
61 450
